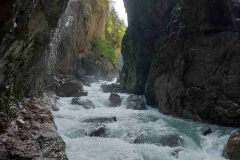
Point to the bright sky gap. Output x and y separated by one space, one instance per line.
119 6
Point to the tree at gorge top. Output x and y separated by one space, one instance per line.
115 30
115 27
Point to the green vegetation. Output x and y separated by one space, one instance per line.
115 30
102 47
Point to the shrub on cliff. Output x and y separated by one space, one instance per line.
102 47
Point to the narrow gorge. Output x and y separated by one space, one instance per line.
78 83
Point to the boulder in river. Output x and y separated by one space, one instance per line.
99 66
206 130
98 131
172 140
86 103
114 73
70 88
61 94
101 120
232 149
175 152
115 100
135 102
88 80
80 73
33 128
109 88
80 94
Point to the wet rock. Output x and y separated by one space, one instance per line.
109 88
61 94
99 66
42 119
88 80
114 73
101 120
80 73
55 108
70 88
176 152
172 140
32 138
92 130
192 83
86 103
95 28
232 149
25 116
135 102
206 130
142 138
99 130
115 100
80 94
20 123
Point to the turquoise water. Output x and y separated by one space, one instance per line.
149 126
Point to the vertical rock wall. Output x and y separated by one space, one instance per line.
147 27
87 20
25 33
193 48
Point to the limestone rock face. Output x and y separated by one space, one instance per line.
191 66
98 66
85 21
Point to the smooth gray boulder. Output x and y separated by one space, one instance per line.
86 103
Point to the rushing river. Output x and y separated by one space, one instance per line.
117 142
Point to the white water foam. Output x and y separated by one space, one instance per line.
116 144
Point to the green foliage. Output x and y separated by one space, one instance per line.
102 47
115 28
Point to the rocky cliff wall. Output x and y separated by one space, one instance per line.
25 33
184 56
33 134
85 21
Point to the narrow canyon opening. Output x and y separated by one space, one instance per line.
120 79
